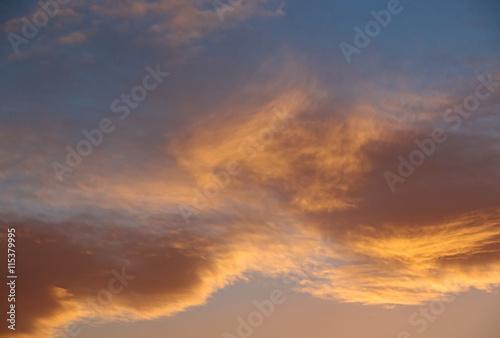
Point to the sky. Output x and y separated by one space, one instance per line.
250 168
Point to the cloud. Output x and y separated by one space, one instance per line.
75 37
440 234
169 23
319 175
390 265
63 264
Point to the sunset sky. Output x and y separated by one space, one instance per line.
251 168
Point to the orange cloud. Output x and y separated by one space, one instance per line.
319 175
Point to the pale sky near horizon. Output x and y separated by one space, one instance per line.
176 162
